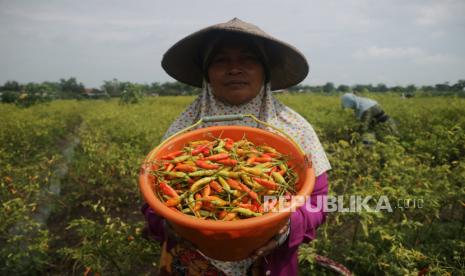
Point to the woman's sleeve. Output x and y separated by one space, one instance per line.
155 223
304 222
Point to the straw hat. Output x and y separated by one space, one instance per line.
183 61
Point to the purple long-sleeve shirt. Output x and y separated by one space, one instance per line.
283 260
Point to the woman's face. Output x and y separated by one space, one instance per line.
236 74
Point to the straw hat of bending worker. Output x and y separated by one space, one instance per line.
285 64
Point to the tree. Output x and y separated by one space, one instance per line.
71 89
11 86
381 87
328 87
343 88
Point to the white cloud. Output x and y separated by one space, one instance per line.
375 52
440 12
414 54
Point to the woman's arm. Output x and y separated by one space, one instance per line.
155 224
305 222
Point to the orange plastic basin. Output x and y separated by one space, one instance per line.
228 240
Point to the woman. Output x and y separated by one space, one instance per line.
370 114
237 65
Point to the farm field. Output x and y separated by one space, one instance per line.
70 202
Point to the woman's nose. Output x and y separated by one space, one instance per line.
235 67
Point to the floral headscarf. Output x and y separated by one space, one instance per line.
266 108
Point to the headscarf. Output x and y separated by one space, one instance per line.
266 108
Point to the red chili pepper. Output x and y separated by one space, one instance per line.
234 184
229 143
185 168
168 190
199 149
228 162
263 159
249 206
206 165
206 191
258 206
251 193
216 186
251 160
266 183
217 157
198 203
172 155
222 214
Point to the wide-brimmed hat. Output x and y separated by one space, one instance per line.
183 61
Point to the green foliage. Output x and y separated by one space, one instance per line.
132 94
96 226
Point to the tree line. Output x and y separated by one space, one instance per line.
27 94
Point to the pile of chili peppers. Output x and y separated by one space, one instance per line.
222 179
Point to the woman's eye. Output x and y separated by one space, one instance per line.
219 60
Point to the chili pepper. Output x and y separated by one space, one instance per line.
206 191
222 214
206 152
229 143
185 168
249 206
198 202
263 159
176 174
216 186
199 142
202 173
251 193
226 173
228 162
191 201
168 190
216 200
259 208
220 146
199 183
172 155
234 184
207 205
266 183
204 213
251 160
269 149
230 216
199 149
180 158
245 212
254 170
278 178
206 165
169 167
224 184
217 157
173 201
249 181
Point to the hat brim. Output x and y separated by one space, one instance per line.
287 65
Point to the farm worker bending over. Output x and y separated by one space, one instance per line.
369 112
237 65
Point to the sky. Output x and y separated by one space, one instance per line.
395 42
